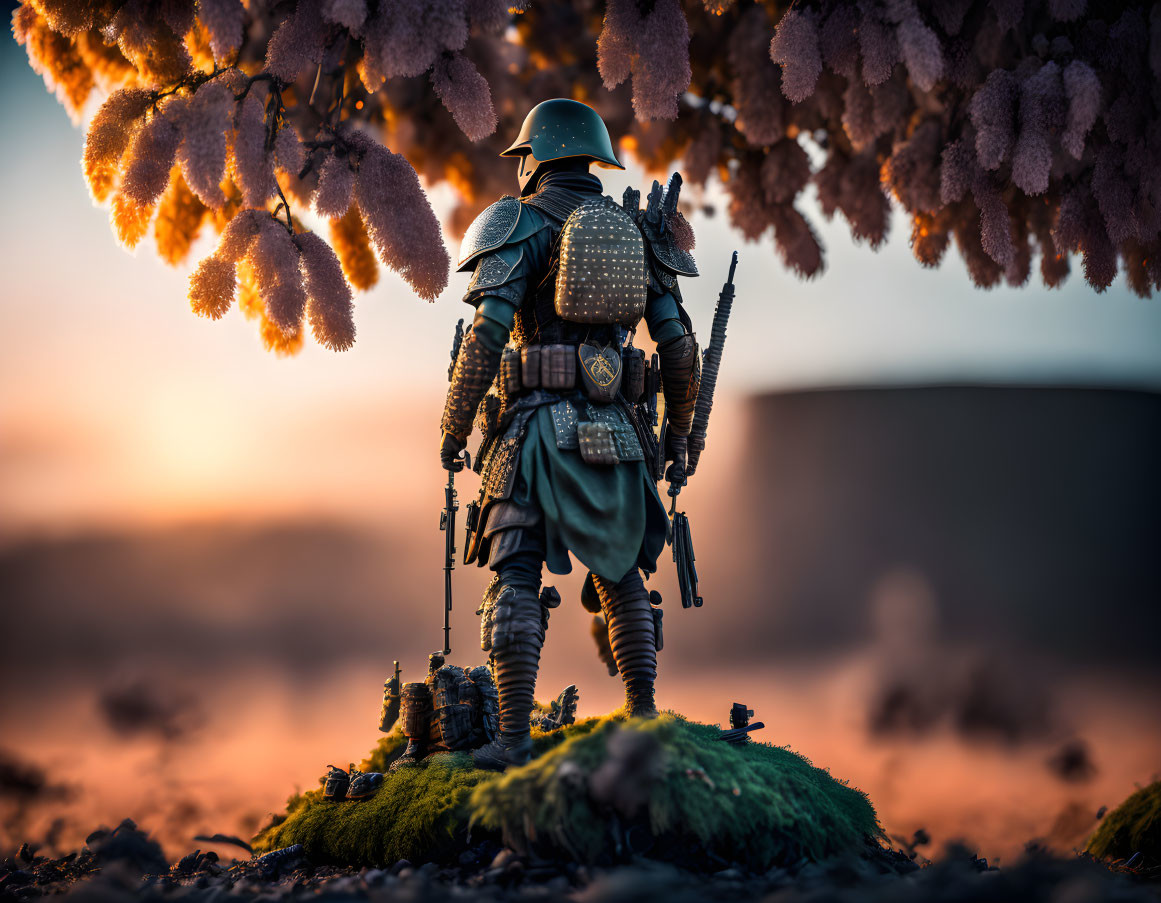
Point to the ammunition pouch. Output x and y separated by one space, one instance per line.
597 444
632 374
598 372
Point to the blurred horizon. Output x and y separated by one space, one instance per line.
921 573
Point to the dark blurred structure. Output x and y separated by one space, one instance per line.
1034 514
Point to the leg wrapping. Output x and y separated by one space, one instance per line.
517 637
632 637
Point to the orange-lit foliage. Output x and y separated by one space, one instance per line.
1019 129
179 219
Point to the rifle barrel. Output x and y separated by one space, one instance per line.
711 363
448 525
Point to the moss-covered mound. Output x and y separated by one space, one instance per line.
594 791
1133 827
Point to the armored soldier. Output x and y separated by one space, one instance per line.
562 277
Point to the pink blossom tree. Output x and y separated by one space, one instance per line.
1023 130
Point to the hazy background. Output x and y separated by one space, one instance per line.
927 527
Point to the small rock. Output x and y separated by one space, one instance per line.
730 874
15 879
400 866
428 869
405 873
503 858
374 877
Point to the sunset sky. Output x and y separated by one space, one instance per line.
120 406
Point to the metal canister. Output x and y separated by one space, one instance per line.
530 366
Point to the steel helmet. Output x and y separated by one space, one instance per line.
561 128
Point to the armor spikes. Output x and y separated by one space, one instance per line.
672 193
631 201
653 212
669 260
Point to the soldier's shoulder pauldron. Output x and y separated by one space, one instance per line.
667 260
665 257
506 222
494 269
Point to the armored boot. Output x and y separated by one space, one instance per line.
517 636
633 639
416 710
337 783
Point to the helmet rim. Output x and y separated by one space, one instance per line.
600 149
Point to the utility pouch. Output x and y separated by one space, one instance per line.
633 370
600 372
596 443
510 371
453 723
530 366
557 367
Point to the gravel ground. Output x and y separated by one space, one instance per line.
125 865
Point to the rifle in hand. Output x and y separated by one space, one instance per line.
447 518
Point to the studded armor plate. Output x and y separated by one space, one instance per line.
566 419
489 230
492 270
671 258
602 276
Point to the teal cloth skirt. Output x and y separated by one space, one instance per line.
610 518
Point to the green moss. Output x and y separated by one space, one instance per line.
757 803
1133 827
417 814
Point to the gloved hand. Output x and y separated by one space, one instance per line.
676 450
449 453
